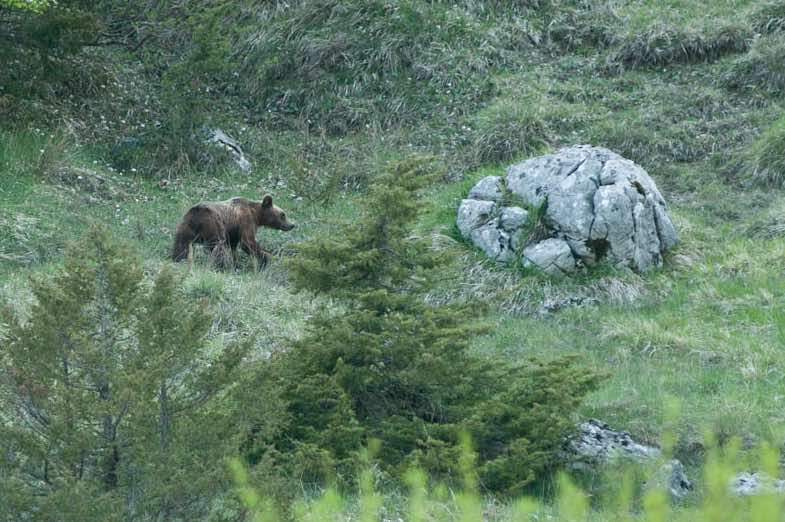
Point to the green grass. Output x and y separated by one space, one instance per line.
641 14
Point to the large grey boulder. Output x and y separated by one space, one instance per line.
599 204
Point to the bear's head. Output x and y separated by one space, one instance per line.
271 216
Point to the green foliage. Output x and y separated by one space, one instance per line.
395 368
106 391
43 42
61 31
374 256
54 31
765 160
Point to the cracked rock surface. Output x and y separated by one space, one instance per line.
598 206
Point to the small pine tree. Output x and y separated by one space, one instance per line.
395 368
106 393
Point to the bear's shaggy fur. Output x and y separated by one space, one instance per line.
227 224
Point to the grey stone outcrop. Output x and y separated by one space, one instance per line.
596 444
755 483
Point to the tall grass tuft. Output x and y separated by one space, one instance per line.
763 68
769 18
591 26
507 129
662 46
765 159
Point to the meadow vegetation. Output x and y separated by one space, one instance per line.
349 376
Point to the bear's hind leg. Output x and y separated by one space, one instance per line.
221 255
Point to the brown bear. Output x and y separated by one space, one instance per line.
224 224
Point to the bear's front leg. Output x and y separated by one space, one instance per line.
251 247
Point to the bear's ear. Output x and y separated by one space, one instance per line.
267 201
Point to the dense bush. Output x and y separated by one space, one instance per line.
107 397
394 368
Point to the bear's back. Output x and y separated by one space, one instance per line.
239 202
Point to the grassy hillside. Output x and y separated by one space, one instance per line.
324 94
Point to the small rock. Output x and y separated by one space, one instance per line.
513 218
493 241
598 442
552 256
554 304
671 477
755 483
219 137
474 213
489 189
